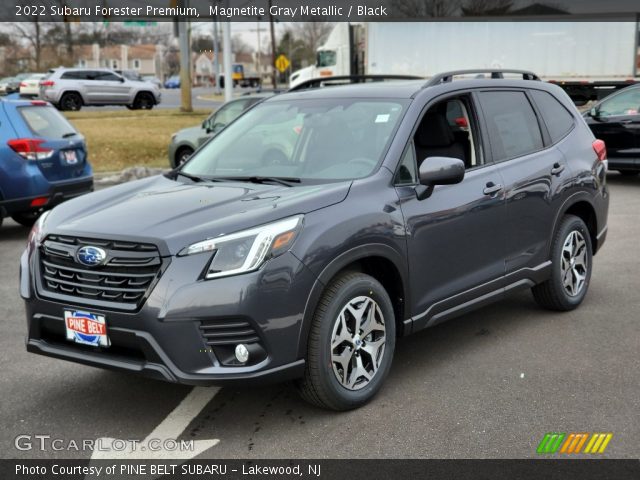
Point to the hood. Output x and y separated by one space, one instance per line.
191 132
174 214
142 84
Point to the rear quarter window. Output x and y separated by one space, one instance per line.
556 117
46 122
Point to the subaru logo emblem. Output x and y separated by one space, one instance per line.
91 256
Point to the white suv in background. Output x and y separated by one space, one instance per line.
71 88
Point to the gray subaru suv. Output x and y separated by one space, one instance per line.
73 88
318 227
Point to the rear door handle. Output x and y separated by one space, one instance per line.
625 122
492 188
557 169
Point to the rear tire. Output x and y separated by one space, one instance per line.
71 102
26 219
571 257
351 343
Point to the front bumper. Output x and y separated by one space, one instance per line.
164 339
58 193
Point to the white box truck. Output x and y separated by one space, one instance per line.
588 59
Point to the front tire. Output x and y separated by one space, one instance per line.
571 256
143 101
351 343
182 155
26 219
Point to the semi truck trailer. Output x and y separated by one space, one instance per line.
588 59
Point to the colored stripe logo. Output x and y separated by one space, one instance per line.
555 442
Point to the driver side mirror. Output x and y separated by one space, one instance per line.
439 171
594 112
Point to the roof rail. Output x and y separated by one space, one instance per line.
495 73
348 79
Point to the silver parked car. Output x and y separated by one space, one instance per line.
184 142
71 88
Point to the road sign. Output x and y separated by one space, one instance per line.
282 63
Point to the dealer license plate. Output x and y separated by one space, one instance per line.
86 328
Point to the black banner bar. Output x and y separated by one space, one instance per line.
534 469
317 10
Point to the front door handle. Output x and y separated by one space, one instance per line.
492 188
557 169
625 122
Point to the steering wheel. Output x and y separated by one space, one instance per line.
274 156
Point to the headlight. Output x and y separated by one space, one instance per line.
37 232
246 251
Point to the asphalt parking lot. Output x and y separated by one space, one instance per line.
486 385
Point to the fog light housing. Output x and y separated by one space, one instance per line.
242 353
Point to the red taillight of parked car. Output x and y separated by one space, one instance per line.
23 84
39 202
30 148
601 149
47 83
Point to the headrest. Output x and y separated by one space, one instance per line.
434 131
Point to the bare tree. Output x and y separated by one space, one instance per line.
427 8
238 45
33 33
311 34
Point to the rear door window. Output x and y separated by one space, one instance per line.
46 122
511 123
557 118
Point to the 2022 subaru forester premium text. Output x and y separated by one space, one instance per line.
318 227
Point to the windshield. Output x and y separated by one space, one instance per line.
326 58
321 140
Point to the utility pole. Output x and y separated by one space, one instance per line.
226 52
273 50
185 67
216 60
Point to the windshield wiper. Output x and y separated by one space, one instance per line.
70 134
286 181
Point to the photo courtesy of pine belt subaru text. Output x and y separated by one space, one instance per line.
320 225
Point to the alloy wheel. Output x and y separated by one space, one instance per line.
357 343
574 263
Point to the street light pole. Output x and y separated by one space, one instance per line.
273 50
216 60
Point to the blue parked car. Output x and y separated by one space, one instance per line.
172 82
43 160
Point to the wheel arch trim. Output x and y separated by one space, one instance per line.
338 264
578 197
